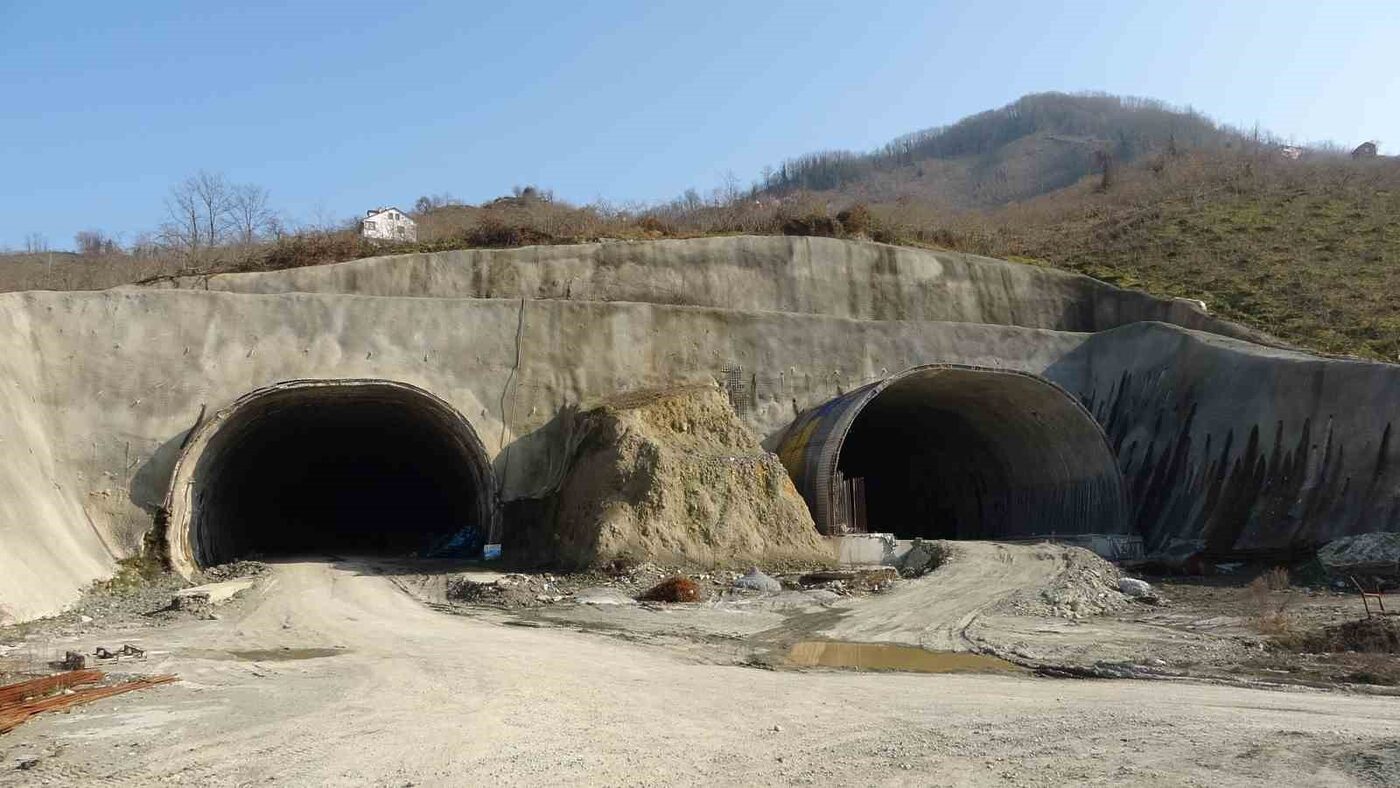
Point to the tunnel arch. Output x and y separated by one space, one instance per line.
353 465
954 451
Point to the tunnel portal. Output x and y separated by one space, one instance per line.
948 452
330 467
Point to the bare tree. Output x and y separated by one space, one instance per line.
181 231
145 246
95 242
1107 168
215 197
200 213
35 243
250 215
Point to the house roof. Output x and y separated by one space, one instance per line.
378 211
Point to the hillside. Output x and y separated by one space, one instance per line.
1037 144
1307 249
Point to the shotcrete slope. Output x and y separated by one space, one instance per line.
825 276
1240 445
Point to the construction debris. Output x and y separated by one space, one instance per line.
1374 555
1137 589
1367 597
12 694
511 590
755 580
673 589
873 579
603 596
20 701
127 651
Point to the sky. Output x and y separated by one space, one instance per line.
335 107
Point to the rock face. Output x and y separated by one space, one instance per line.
673 477
1368 554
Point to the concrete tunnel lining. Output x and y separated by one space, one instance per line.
338 466
950 451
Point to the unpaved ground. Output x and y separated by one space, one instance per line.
329 673
1042 606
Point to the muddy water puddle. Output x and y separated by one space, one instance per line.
888 656
272 654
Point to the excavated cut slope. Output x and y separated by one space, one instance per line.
1224 445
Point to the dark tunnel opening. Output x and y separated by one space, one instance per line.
337 469
962 453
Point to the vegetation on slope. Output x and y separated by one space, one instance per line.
1037 144
1128 191
1308 251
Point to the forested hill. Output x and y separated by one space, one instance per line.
1035 145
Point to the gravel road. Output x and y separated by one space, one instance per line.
331 674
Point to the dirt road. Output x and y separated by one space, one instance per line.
937 613
332 675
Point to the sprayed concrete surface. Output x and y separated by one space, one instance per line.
382 690
1225 446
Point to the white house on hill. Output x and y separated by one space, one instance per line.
388 224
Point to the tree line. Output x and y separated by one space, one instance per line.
203 212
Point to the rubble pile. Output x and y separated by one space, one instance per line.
1085 585
511 591
1373 555
622 583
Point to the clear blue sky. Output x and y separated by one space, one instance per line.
337 106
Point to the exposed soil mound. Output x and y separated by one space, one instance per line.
673 477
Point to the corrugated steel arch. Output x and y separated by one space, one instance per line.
1091 499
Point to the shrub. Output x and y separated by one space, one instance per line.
810 223
856 220
493 231
1271 604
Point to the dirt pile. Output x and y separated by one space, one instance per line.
511 591
673 477
1374 554
1082 585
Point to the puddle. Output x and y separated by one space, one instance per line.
887 656
286 654
272 654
